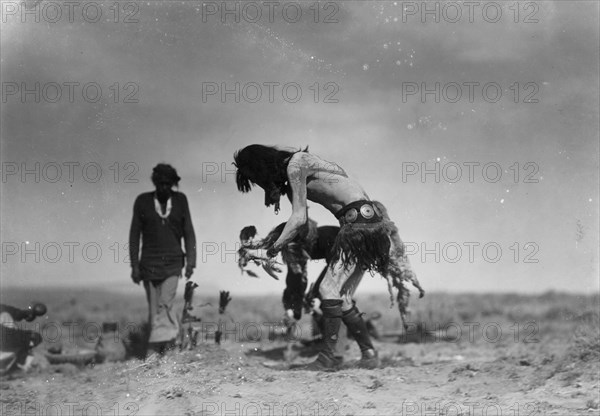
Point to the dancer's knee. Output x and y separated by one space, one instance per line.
329 290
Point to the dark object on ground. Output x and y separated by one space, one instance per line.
110 346
29 314
160 348
188 294
136 341
16 343
224 300
79 358
188 297
188 335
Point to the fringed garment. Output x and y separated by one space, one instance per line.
368 239
364 237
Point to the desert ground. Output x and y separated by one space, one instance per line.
463 354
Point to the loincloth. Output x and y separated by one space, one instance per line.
364 237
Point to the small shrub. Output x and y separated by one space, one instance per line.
587 338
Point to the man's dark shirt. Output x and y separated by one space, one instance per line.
162 255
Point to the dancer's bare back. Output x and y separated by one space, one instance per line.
323 182
313 179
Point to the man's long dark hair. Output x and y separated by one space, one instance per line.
264 165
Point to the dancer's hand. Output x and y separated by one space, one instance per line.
315 304
252 254
271 266
272 252
288 318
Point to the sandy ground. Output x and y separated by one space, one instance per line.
435 378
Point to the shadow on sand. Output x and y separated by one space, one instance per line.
283 352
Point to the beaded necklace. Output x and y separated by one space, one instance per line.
159 210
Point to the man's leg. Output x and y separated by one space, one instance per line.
336 289
164 324
152 298
355 323
315 296
331 306
296 282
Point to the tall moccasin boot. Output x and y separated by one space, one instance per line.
358 329
332 320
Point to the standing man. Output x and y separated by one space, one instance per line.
367 240
162 219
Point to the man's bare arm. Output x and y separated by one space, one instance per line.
297 181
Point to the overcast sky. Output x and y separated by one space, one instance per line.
365 69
